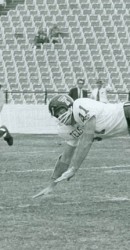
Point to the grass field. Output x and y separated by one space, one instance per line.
90 212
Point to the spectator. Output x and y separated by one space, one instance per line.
41 38
2 4
100 92
78 92
55 34
2 97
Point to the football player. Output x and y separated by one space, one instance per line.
3 130
6 135
80 123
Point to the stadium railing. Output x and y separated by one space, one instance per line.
48 94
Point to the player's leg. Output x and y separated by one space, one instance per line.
127 114
6 135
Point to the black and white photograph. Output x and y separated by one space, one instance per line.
65 124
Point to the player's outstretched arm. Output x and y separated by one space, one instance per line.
61 166
81 151
63 161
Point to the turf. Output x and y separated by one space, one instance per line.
90 212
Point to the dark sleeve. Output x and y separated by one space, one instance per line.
71 93
85 93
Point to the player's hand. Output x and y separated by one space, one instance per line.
67 175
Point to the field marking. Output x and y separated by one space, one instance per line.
101 199
24 205
114 198
66 203
25 171
109 169
118 171
115 166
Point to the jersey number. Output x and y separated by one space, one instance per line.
86 114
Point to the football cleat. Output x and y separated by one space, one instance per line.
7 136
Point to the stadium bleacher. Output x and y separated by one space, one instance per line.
97 46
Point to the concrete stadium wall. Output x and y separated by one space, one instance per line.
28 119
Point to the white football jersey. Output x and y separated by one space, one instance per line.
110 120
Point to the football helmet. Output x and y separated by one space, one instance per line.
60 101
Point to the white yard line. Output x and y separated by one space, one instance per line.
109 169
118 171
25 171
116 198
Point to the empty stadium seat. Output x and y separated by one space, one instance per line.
97 45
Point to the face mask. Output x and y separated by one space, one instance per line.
66 117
